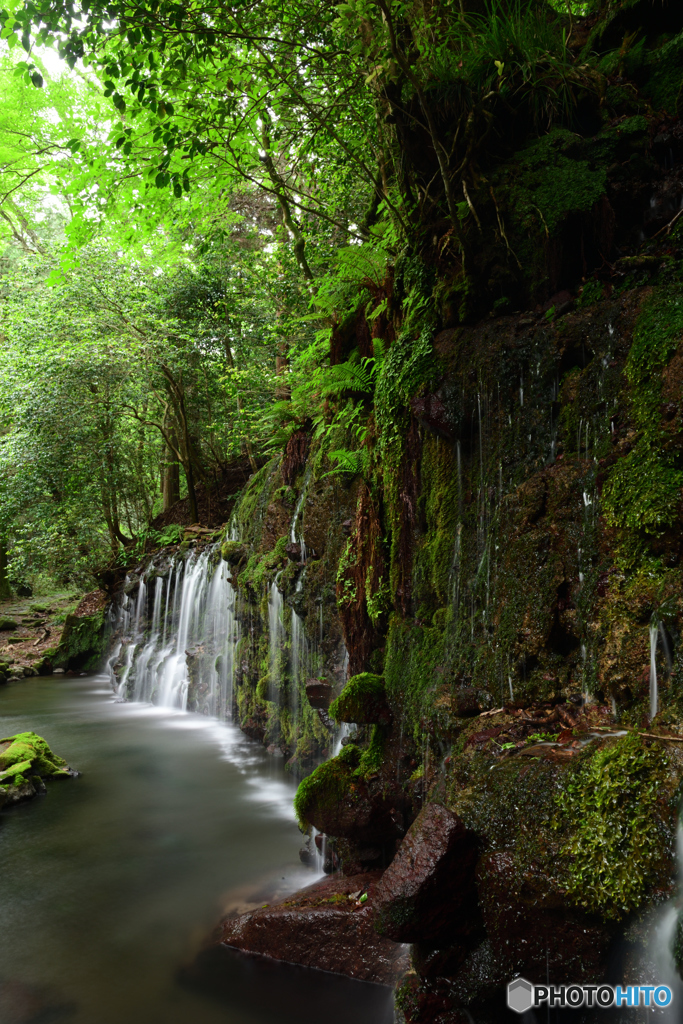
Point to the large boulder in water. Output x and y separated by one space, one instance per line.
25 762
329 925
342 799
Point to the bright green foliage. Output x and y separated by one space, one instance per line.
612 805
643 491
644 488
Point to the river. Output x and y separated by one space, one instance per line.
110 884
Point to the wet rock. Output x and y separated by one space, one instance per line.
13 794
319 694
433 413
428 893
25 760
363 701
233 552
325 719
342 803
322 927
532 928
293 552
307 854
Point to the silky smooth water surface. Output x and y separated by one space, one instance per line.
110 883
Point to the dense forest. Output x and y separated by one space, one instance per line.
378 304
197 202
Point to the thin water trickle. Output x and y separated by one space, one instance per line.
654 696
275 638
296 535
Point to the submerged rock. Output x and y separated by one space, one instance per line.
329 925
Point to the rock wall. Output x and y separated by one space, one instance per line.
505 577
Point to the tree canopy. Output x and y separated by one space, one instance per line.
222 224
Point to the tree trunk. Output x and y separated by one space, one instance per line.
191 493
170 479
5 592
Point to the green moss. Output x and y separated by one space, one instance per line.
552 183
612 806
233 551
82 642
286 495
28 753
363 700
261 570
643 491
250 507
372 758
7 624
664 82
413 655
327 785
656 337
441 503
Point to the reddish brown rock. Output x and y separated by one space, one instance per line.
319 693
531 927
321 927
428 892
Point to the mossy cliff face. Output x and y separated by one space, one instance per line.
505 575
291 631
527 495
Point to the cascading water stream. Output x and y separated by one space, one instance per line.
296 535
182 653
275 637
663 941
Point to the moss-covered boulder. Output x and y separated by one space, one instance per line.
82 643
363 701
233 552
26 761
6 623
340 799
576 840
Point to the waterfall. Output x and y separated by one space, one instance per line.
663 940
653 670
297 536
180 654
275 638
